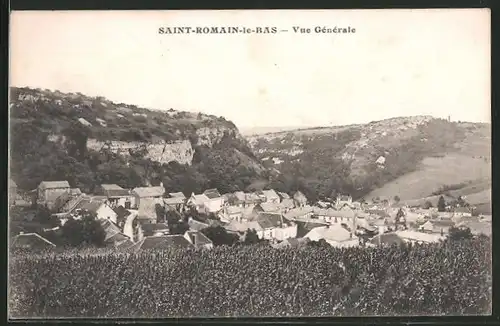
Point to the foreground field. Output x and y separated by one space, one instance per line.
443 279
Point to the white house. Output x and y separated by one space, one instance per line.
215 201
343 200
270 196
98 207
334 235
275 227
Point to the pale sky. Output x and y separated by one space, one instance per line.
397 63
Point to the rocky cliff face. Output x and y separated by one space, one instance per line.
162 136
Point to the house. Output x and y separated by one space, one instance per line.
283 196
334 235
114 236
275 227
154 229
30 241
231 213
12 192
286 204
237 199
215 201
176 195
175 203
323 204
343 200
462 212
116 195
197 202
147 200
299 213
161 242
300 199
98 207
195 225
252 199
437 226
198 240
270 196
240 228
378 213
419 237
267 207
147 193
49 191
121 215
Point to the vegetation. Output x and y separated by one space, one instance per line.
450 278
83 232
441 204
228 165
344 160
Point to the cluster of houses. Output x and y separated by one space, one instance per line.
129 217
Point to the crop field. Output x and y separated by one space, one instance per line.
451 278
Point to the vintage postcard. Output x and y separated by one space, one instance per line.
249 163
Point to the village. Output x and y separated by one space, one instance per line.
131 221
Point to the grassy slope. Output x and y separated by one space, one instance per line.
468 165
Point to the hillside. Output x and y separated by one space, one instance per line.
91 140
409 157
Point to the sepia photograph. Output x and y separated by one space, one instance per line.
249 163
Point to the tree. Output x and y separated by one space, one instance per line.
87 231
220 236
321 243
44 216
459 233
77 136
160 213
441 204
397 199
427 204
251 237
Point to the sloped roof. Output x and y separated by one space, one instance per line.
345 198
240 195
163 242
174 201
154 227
442 223
270 193
298 212
143 192
478 227
287 203
200 199
198 238
53 184
269 207
236 226
90 205
176 195
113 190
197 225
212 193
284 195
333 233
31 240
462 210
269 220
234 210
